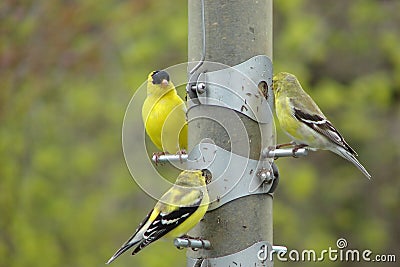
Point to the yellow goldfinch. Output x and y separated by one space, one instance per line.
301 118
178 211
164 114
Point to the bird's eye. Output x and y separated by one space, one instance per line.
207 174
291 79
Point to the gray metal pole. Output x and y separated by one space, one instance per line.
235 32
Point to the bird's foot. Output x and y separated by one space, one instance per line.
296 148
189 238
285 144
180 153
156 156
186 236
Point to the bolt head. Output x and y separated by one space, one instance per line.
201 88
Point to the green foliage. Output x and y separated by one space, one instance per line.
69 68
344 53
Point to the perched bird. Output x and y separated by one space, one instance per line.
303 121
164 114
177 211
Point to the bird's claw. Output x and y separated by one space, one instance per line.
188 239
180 153
156 156
296 148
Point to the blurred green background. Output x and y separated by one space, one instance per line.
69 68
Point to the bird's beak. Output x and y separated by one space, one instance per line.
164 83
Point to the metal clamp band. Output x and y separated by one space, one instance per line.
257 255
237 88
234 176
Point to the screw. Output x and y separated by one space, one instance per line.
201 88
265 175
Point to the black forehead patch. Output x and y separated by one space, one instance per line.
159 75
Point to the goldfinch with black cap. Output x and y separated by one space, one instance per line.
177 211
164 114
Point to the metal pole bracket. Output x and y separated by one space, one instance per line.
233 176
259 254
243 88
